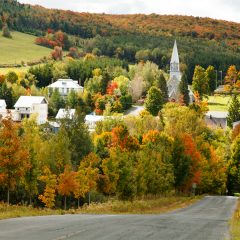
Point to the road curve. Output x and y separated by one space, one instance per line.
205 220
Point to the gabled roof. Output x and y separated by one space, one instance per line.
29 101
65 83
175 57
65 113
3 103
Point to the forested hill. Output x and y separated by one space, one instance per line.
202 41
31 18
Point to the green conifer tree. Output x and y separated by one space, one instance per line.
233 111
183 88
161 83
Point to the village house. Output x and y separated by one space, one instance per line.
26 106
3 108
65 86
65 113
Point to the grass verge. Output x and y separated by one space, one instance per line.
235 224
13 211
143 206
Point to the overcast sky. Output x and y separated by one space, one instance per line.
219 9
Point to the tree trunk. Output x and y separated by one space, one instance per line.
89 198
65 202
8 196
78 202
30 200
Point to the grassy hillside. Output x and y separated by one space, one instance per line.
20 48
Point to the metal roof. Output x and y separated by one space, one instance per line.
65 83
29 101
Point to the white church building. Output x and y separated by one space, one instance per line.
175 77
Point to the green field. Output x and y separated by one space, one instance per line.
20 48
218 103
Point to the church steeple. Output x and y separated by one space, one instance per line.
175 63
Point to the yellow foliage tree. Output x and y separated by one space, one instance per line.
50 180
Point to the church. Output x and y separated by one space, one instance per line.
175 77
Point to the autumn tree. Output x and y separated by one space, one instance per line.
231 78
87 176
136 87
49 194
154 101
57 53
31 141
200 82
66 184
14 159
211 78
233 111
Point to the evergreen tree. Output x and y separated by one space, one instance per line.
7 94
154 101
233 111
183 88
161 83
78 134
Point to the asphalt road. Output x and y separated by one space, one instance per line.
207 219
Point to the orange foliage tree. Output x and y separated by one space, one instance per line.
66 183
190 149
14 160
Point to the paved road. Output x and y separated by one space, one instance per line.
208 219
134 110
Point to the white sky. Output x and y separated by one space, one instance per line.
219 9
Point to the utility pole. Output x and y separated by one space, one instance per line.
221 77
216 77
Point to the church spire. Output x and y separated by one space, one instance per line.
175 64
175 57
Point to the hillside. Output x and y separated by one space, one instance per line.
31 18
136 37
21 48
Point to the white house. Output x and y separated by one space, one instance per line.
29 105
65 86
65 113
3 108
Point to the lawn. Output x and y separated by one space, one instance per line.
21 48
144 206
235 224
218 103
